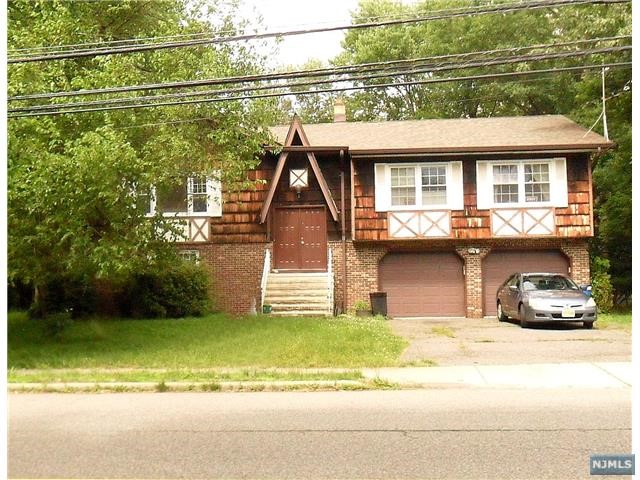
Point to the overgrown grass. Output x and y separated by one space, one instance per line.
213 341
620 320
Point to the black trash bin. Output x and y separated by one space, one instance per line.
378 303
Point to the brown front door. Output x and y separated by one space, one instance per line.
300 238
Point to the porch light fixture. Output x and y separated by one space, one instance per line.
298 179
473 251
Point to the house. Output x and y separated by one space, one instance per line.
436 213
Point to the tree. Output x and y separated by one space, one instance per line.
575 94
311 108
73 180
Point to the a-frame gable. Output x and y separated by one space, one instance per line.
295 129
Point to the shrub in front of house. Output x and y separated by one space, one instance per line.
179 290
75 296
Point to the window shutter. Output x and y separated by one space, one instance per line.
484 193
214 197
559 196
383 187
455 187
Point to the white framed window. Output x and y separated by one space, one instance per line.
192 196
418 186
434 184
190 255
403 186
522 183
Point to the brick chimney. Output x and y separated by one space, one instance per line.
339 111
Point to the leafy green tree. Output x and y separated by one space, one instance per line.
311 108
72 207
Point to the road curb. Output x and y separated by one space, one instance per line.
237 386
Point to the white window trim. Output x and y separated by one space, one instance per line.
190 255
417 166
214 201
557 192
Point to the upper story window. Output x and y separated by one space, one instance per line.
536 182
191 196
418 186
403 186
522 183
434 185
505 183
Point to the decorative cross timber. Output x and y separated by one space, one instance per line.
538 221
515 215
199 230
298 178
434 224
405 224
419 224
523 222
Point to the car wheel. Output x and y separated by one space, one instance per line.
522 317
587 325
501 316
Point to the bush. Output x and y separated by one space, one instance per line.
177 291
601 287
19 295
65 293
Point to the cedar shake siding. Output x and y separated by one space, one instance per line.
240 220
574 221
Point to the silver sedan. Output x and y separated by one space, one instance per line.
544 297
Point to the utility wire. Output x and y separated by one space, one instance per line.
199 35
438 102
326 90
304 73
505 8
428 69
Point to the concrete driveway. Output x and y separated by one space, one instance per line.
462 341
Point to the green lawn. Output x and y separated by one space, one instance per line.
606 320
213 341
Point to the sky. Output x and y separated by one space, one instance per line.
279 15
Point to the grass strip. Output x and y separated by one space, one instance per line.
216 340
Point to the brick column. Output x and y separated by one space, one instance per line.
473 278
362 271
578 253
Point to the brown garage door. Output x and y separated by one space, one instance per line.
423 284
497 266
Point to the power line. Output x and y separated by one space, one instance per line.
328 90
304 73
428 69
196 35
504 8
438 102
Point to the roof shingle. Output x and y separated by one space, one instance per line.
542 132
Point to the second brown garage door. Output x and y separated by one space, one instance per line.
497 266
423 284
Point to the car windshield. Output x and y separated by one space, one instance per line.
547 282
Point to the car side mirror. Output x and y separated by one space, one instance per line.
513 288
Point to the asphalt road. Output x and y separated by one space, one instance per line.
434 433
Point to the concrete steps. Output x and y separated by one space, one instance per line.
298 293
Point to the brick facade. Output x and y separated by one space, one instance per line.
363 260
236 269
